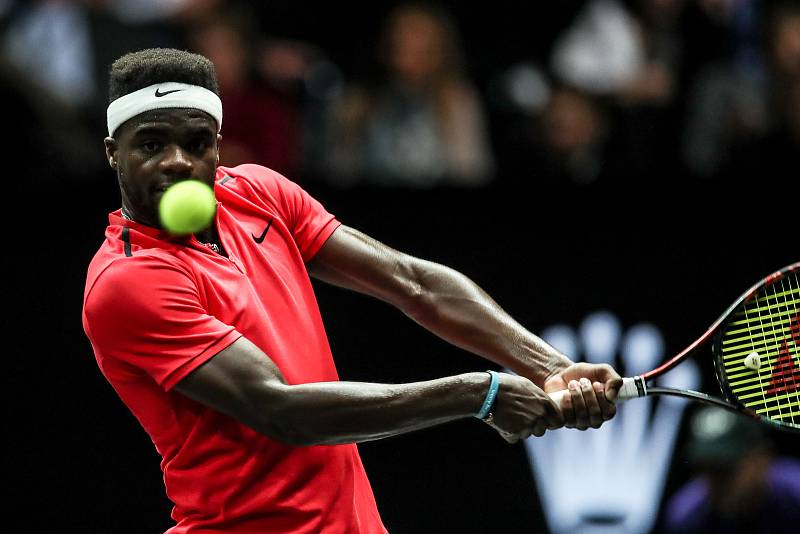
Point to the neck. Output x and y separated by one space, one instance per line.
208 236
211 237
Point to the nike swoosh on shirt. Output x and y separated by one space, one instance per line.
260 238
160 94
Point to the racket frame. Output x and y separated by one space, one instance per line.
637 385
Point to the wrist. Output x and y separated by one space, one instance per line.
485 411
544 361
477 384
556 366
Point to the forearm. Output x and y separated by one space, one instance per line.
328 413
453 307
442 300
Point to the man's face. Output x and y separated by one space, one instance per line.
158 148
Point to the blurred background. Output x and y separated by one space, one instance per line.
613 172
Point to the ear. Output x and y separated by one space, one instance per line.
219 141
111 151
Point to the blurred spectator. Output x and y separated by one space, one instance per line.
61 51
771 157
51 42
566 142
258 91
628 53
142 11
601 51
727 104
47 70
575 130
423 123
741 487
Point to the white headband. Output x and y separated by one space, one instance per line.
160 96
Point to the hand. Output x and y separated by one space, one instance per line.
522 409
593 389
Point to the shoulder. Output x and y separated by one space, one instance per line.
251 179
251 173
128 279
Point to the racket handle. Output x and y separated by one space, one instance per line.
632 387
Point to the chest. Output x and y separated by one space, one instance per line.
263 272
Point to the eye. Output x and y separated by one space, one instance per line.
151 146
198 145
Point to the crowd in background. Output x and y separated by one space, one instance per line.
626 91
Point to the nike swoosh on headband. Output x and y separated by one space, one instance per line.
160 94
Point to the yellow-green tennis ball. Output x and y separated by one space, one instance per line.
187 207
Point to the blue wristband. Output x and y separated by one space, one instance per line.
491 395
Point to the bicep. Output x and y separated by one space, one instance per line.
240 381
353 260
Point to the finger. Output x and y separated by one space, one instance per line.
592 404
612 387
607 408
581 413
539 427
567 407
605 372
553 416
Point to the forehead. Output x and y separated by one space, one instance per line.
168 120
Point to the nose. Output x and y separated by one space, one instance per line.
176 162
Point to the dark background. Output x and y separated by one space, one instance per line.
662 247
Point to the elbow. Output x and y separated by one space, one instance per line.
283 422
415 297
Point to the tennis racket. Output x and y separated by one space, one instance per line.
755 346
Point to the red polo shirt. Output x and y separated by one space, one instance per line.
157 307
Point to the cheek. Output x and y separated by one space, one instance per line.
208 167
133 179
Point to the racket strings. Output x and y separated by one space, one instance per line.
768 325
793 340
760 384
764 335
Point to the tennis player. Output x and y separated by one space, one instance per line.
216 344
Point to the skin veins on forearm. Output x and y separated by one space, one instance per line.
243 382
442 300
453 307
331 413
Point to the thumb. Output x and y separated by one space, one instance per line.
613 386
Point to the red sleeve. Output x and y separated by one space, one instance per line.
310 223
146 312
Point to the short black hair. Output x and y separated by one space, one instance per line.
141 69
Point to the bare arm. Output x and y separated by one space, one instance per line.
243 382
437 297
453 307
